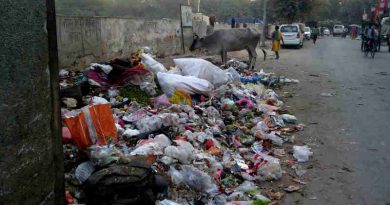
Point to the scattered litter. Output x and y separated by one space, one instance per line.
302 153
292 188
326 94
208 134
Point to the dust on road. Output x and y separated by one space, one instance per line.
348 131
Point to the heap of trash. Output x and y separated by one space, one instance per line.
135 132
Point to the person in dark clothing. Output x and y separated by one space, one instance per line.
233 22
315 33
212 20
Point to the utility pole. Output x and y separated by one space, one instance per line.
198 6
265 23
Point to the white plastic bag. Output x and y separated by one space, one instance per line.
168 202
130 133
155 147
302 153
105 68
98 100
247 186
169 119
184 152
189 84
152 64
233 74
202 69
193 178
149 124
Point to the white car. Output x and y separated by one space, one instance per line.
292 35
338 30
326 32
307 33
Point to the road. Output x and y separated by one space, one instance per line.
348 132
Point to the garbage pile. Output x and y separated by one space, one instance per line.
207 136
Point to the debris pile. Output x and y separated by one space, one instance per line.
137 133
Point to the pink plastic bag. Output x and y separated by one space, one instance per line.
161 101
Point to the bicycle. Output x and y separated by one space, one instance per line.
369 48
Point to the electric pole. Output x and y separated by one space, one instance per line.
265 23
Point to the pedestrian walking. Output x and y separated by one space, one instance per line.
233 22
353 33
276 38
315 33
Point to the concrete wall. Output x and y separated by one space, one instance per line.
82 40
30 144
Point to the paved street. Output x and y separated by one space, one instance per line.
349 132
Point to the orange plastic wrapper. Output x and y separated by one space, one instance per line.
93 125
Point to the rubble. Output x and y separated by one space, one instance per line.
213 134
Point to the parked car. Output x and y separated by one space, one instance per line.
326 32
307 33
292 35
338 30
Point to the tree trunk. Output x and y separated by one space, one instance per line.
265 27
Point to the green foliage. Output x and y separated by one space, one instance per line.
346 11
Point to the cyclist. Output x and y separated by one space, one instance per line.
370 37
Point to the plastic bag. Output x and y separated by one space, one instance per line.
245 102
233 74
161 101
63 73
105 68
130 133
149 88
247 186
84 170
103 155
270 170
195 179
168 202
168 160
169 119
302 153
180 98
188 84
227 104
175 70
112 93
154 147
135 116
152 64
94 124
184 152
202 69
274 139
149 124
289 118
98 100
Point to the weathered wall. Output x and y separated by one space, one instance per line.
83 40
30 160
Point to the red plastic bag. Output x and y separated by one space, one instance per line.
93 125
